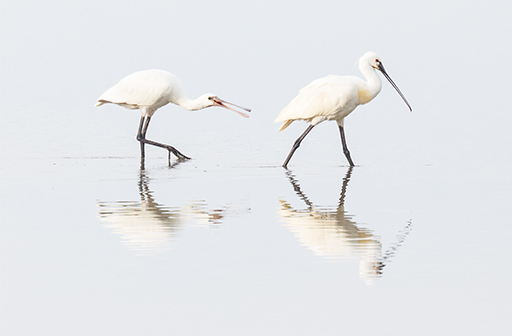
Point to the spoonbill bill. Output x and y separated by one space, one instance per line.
334 98
148 90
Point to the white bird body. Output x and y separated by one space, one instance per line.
329 98
334 98
148 90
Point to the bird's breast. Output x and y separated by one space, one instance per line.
365 95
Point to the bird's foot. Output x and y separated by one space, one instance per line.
177 153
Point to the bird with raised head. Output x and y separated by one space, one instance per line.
333 98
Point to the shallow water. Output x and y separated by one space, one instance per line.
230 242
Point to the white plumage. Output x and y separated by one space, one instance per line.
148 90
328 98
333 98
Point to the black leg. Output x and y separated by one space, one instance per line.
176 152
297 144
345 148
141 137
145 129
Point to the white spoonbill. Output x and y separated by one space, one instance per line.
148 90
334 98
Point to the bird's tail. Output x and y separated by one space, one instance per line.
285 124
99 103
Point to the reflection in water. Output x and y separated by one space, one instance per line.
332 233
148 226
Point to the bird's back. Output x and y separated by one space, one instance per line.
329 98
143 89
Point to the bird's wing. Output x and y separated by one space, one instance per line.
324 97
142 88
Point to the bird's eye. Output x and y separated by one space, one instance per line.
377 61
211 98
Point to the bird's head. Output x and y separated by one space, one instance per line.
373 60
212 100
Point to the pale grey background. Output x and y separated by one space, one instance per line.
69 266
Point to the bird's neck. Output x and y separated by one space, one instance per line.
191 104
371 87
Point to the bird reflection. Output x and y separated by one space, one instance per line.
170 164
332 233
148 226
